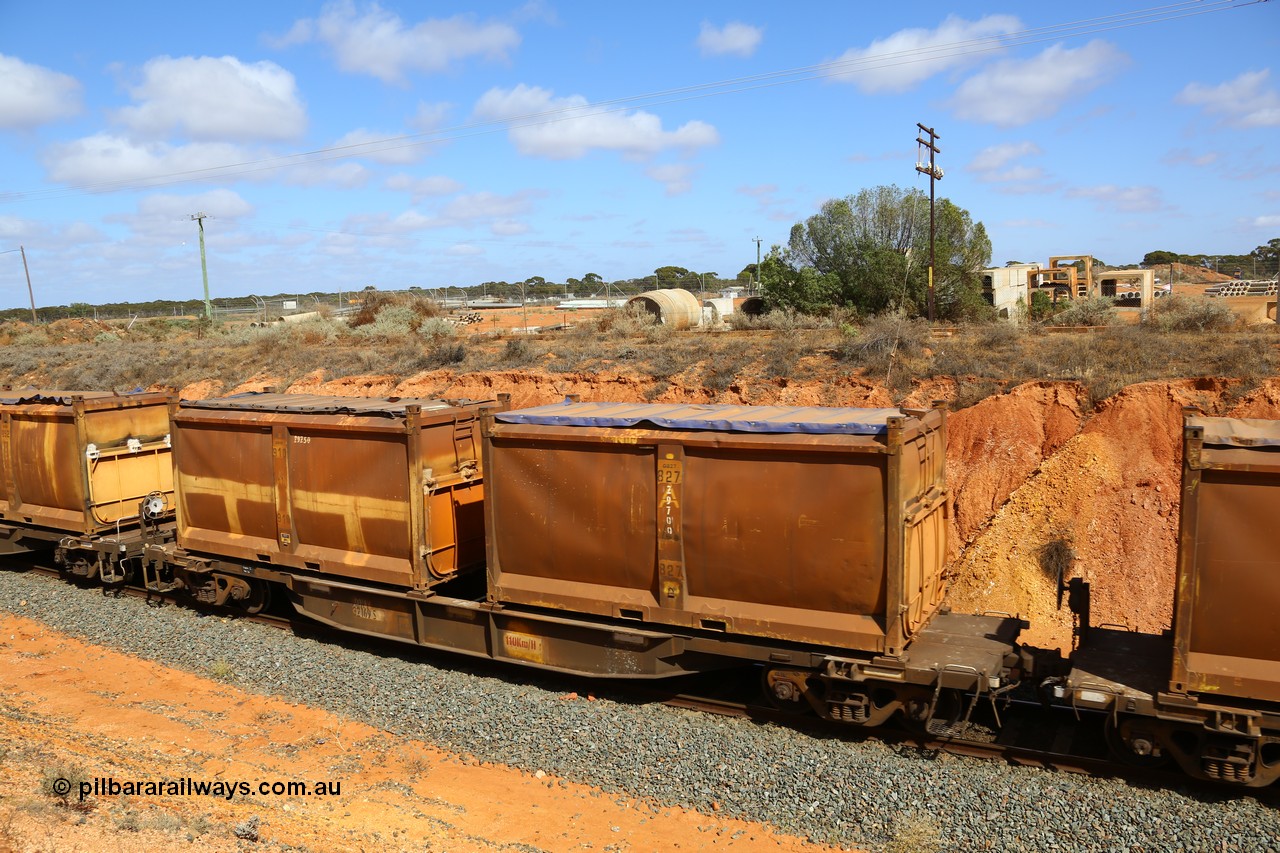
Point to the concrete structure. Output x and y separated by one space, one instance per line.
1005 288
1066 277
673 307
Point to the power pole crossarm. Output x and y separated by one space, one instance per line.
935 174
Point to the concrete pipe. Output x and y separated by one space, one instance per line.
676 308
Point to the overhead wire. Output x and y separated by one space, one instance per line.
737 85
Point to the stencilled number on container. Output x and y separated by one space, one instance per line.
302 439
669 476
363 611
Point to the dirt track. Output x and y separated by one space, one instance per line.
71 709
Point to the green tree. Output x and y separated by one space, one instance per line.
801 288
1150 259
670 273
870 252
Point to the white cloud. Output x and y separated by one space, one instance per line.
215 99
637 134
761 193
219 204
346 175
1267 221
1019 91
997 165
1184 156
677 178
12 227
464 250
734 38
768 202
164 219
509 227
996 157
497 211
420 188
379 43
33 95
909 57
106 157
487 205
1109 197
1243 102
386 148
430 116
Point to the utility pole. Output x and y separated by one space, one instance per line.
757 242
935 174
35 320
204 268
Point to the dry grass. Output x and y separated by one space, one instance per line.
1182 339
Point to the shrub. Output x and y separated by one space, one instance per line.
437 327
884 335
60 781
415 309
780 320
1094 311
518 351
625 320
391 321
1192 314
448 353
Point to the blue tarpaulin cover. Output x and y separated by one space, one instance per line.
816 420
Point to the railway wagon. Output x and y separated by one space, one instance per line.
386 491
82 469
817 525
816 559
1206 693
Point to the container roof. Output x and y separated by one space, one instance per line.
1238 432
722 418
320 404
44 396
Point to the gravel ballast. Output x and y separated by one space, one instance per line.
855 793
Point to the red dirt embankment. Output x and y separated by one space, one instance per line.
1035 464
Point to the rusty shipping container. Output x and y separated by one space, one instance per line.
815 525
1226 625
82 462
383 490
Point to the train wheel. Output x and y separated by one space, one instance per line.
258 599
945 721
1131 745
785 690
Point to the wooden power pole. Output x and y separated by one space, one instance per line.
30 292
204 269
935 174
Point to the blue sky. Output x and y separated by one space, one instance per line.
337 145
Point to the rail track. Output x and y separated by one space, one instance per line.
1026 736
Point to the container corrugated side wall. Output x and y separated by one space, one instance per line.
785 536
1226 630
